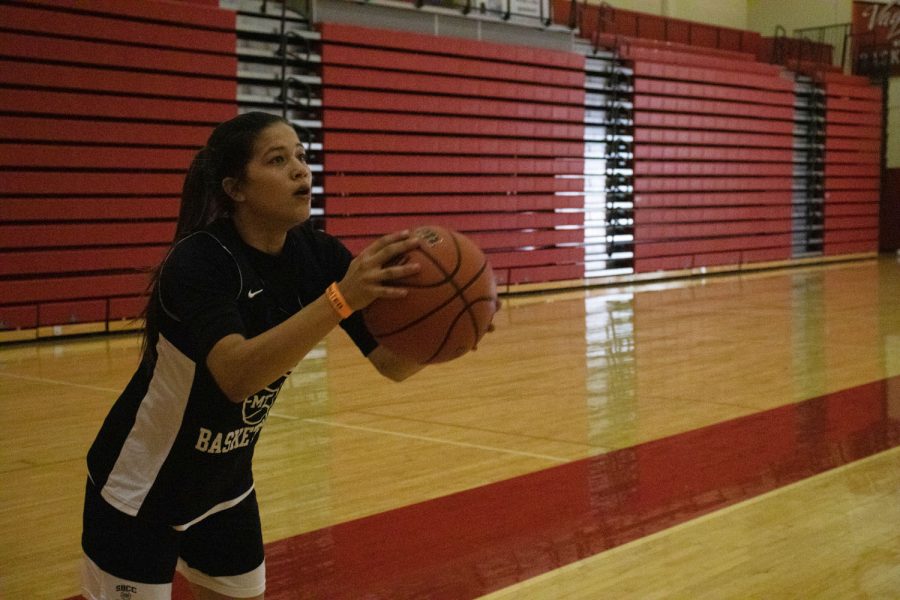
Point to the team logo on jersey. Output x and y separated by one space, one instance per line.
256 407
253 412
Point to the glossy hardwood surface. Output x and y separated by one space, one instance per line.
831 536
565 376
487 538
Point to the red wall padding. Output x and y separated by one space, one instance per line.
470 135
104 105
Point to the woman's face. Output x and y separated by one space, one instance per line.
275 190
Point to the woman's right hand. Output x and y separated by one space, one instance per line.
370 274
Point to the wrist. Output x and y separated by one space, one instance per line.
337 301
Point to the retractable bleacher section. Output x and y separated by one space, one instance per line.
104 104
738 161
713 139
852 163
639 158
483 138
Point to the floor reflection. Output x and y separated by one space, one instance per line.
473 542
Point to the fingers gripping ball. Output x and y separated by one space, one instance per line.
450 304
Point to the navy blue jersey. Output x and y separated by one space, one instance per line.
174 448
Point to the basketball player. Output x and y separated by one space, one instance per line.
246 291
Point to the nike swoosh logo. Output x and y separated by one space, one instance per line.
251 294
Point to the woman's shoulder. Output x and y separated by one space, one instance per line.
214 242
199 272
207 252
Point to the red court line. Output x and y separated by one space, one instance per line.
470 543
480 540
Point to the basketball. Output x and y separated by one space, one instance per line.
450 304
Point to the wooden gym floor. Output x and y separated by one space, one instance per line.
727 437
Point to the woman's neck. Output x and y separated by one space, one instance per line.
264 239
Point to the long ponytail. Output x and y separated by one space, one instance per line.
203 199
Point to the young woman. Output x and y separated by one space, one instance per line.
246 291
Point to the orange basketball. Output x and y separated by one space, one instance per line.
450 304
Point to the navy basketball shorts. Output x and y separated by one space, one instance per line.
127 557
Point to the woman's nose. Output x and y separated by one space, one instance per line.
301 169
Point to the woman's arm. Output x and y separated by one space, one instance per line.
242 366
392 366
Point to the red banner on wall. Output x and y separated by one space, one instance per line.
876 37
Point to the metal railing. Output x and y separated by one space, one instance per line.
836 36
501 9
289 39
857 53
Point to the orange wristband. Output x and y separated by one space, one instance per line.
338 302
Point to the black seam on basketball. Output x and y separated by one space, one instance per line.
419 320
453 324
458 294
448 332
448 277
468 305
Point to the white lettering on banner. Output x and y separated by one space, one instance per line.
884 15
881 58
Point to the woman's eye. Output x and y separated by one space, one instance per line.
301 158
277 160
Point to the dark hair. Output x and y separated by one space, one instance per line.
203 199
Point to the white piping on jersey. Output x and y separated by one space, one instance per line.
152 436
217 508
172 249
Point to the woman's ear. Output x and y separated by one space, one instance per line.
231 187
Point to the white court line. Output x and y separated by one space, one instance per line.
421 438
58 382
272 413
424 438
676 529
